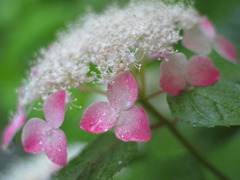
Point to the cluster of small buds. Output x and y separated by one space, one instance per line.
113 43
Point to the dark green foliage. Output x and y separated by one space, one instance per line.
101 159
216 105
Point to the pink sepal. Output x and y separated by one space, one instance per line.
98 118
56 147
207 27
225 48
176 71
201 71
33 137
39 135
197 41
133 125
122 92
54 108
13 127
202 37
172 70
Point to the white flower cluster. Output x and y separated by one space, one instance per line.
110 42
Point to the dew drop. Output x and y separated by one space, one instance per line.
119 162
59 149
40 143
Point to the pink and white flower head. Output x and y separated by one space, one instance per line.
176 71
13 127
202 37
131 123
39 135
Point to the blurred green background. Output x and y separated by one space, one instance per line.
28 25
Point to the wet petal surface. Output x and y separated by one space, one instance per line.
33 138
133 125
98 118
122 92
54 108
56 147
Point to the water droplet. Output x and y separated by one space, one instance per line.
59 149
40 143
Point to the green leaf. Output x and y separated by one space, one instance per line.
101 159
215 105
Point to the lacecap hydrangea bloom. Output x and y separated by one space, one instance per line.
104 49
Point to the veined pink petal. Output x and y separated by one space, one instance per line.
172 78
133 125
207 27
56 147
33 135
13 127
122 92
201 71
197 41
225 48
98 118
54 108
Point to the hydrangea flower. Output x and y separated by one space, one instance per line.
39 135
176 71
109 42
202 37
112 42
13 127
131 123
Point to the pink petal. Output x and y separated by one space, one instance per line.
207 27
197 41
98 118
13 127
54 108
225 48
133 125
122 92
172 78
33 138
56 147
201 71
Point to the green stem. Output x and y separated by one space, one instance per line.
142 77
184 142
85 88
154 94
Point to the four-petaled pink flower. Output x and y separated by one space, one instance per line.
131 123
39 135
176 71
202 37
12 128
